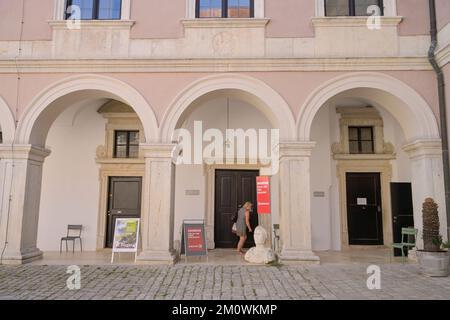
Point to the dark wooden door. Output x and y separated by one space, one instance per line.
402 211
233 188
364 216
124 201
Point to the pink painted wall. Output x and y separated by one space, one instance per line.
30 86
156 19
161 88
36 15
8 90
416 20
290 18
9 19
295 87
443 13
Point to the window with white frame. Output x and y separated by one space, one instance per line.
388 8
192 7
94 9
336 8
224 9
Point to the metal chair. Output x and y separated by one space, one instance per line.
407 234
276 237
73 233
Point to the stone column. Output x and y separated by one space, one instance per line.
158 208
20 195
427 179
295 202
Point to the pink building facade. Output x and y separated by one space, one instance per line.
88 112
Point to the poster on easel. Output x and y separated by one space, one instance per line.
194 238
126 237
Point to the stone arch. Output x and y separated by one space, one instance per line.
406 105
7 122
39 116
260 95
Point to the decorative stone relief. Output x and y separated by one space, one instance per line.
361 117
101 152
388 148
223 44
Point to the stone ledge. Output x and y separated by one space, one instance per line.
443 55
157 257
24 152
299 256
352 21
93 24
225 23
423 148
362 157
216 65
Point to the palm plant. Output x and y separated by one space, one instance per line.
432 239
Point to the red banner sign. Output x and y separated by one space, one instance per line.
263 194
195 239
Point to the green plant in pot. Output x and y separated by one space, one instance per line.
434 261
446 245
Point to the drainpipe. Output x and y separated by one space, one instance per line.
442 108
8 210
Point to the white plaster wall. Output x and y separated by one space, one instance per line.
188 177
321 181
335 209
393 133
192 177
70 185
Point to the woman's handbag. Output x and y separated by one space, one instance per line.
234 228
234 217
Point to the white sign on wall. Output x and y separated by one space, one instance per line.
362 201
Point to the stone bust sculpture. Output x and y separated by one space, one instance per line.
260 254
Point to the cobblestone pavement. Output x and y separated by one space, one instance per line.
333 281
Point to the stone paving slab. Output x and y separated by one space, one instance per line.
198 282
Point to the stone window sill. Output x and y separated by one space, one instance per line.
374 156
225 23
120 160
352 21
93 24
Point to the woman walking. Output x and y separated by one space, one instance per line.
242 223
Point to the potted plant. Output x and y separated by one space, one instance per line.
446 245
434 261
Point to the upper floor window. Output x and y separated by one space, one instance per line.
335 8
95 9
225 8
126 144
361 140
